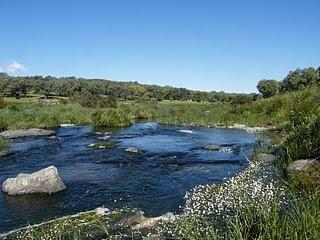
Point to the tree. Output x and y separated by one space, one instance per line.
268 88
3 75
298 79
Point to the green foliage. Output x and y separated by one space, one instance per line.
71 86
302 138
111 118
299 79
268 88
90 100
299 220
3 103
42 116
4 144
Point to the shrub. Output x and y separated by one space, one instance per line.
3 123
268 88
90 100
86 99
107 102
302 134
3 103
4 144
111 118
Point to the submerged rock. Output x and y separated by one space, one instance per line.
103 145
212 147
267 158
186 131
5 153
26 133
132 150
44 181
105 137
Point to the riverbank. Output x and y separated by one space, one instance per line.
256 202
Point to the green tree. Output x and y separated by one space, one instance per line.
268 88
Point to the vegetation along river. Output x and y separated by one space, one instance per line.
171 161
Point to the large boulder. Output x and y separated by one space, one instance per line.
44 181
26 133
303 165
305 173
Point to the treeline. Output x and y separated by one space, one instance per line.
295 80
71 86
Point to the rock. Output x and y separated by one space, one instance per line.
226 150
102 211
305 173
5 153
105 137
67 125
151 222
101 133
186 131
132 150
251 129
267 158
26 133
103 145
44 181
212 147
152 238
303 165
53 137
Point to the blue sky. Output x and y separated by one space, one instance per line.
200 44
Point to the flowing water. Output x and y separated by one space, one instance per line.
171 162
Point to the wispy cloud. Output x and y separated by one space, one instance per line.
13 67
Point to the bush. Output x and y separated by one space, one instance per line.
303 134
4 144
107 102
3 103
268 88
90 100
111 118
3 123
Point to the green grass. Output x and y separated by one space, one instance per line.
30 115
88 225
4 144
298 219
276 111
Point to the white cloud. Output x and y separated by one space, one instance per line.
13 67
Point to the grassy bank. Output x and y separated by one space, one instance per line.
273 111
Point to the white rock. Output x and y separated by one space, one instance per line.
44 181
